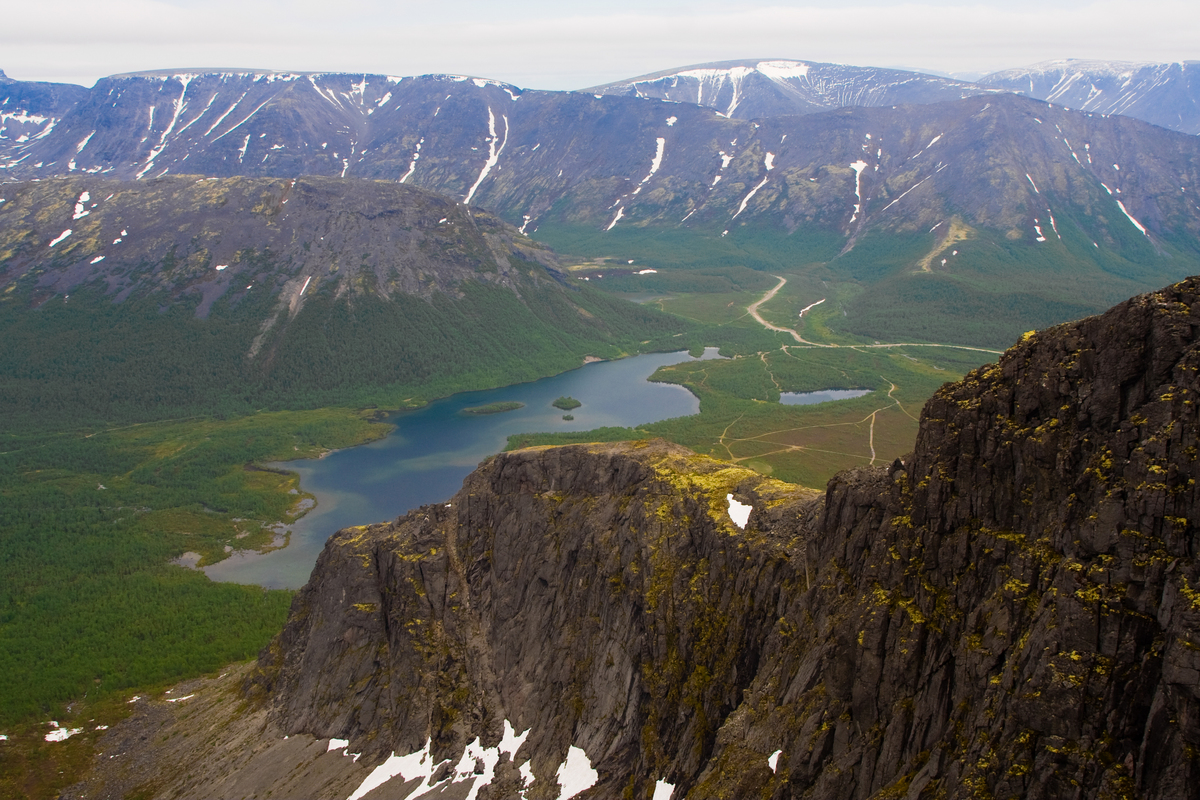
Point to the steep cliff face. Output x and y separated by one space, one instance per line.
597 597
1011 611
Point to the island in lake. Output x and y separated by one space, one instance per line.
494 408
566 403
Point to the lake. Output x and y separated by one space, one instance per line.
823 396
425 459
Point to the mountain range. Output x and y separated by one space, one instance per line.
927 203
1163 94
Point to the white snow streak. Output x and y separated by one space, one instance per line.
616 219
304 288
663 790
811 306
412 165
493 153
60 237
1031 183
655 162
1136 224
773 760
242 149
243 122
228 111
97 259
769 163
178 106
79 147
906 191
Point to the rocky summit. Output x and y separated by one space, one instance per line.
1013 610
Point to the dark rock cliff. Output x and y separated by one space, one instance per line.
1011 611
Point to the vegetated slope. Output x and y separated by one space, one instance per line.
29 110
157 298
1039 214
1162 94
1010 611
751 89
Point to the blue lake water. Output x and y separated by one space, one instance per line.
823 396
432 450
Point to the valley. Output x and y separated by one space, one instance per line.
208 279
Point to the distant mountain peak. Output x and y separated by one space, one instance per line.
753 88
1165 94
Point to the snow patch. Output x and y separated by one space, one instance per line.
738 512
61 734
671 121
80 211
783 70
409 767
663 790
858 167
60 237
616 219
221 267
647 272
510 743
97 259
180 699
575 775
773 760
1031 183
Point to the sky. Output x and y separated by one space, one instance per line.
565 44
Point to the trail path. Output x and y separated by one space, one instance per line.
753 310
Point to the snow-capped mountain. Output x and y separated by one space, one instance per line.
606 161
1163 94
777 87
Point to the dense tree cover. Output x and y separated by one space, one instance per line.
84 360
89 602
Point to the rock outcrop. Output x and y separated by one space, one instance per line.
1011 611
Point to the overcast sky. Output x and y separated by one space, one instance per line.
565 44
